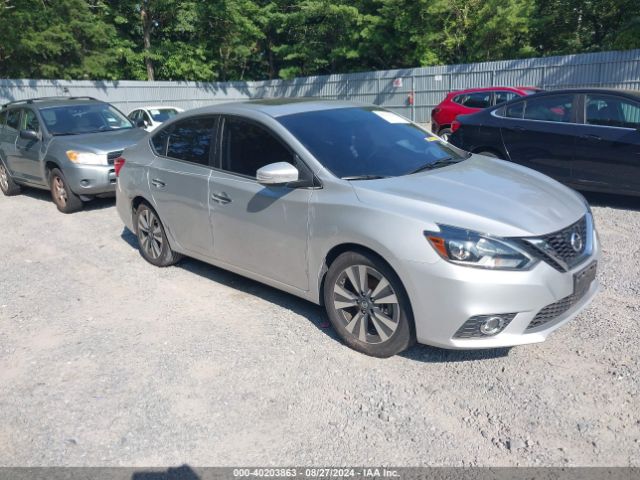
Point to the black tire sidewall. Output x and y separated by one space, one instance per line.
73 201
166 256
12 187
402 338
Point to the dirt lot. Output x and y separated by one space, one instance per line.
106 360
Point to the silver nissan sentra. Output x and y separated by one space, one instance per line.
400 235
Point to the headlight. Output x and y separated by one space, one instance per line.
87 158
465 247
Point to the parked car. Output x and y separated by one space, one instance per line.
63 144
471 100
586 138
401 236
151 118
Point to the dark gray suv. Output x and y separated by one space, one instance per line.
64 144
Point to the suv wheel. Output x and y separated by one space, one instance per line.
63 197
152 241
7 185
368 306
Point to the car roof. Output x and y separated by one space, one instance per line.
488 89
47 102
156 107
278 107
613 91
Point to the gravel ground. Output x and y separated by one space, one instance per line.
106 360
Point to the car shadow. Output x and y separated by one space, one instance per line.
184 472
620 202
45 196
315 314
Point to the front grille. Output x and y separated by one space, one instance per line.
553 311
111 156
557 248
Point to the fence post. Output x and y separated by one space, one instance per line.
413 95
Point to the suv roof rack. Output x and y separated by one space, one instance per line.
44 99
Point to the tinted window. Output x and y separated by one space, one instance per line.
13 119
133 116
353 142
30 121
502 96
84 118
514 111
190 140
246 147
612 111
558 108
475 100
3 117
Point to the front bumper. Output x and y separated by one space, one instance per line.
91 179
444 296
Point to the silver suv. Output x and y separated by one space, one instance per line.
400 235
63 144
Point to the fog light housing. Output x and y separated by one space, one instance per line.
482 326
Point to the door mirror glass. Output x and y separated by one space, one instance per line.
29 135
278 173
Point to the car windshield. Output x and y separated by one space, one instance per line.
162 114
84 118
369 142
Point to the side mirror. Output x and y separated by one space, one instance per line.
277 174
29 135
140 123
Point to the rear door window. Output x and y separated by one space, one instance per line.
556 108
502 96
514 111
612 111
475 100
190 140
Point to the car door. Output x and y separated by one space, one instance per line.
260 229
10 137
540 133
30 150
608 151
179 181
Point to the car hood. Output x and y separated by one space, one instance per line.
482 194
102 142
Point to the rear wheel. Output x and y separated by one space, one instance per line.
367 305
7 185
152 240
63 197
445 133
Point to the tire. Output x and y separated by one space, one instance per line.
378 329
489 154
445 133
63 197
7 185
152 240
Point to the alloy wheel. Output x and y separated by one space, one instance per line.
59 192
150 233
4 178
366 303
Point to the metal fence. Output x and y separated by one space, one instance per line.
389 88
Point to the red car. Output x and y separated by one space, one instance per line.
472 100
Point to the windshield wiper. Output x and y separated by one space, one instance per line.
364 177
443 162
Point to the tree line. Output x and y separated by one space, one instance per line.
224 40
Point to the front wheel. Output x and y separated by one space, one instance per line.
368 306
63 197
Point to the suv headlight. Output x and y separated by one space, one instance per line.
87 158
473 249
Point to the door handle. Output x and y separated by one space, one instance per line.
220 198
158 183
591 136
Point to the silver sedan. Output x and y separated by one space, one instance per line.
400 235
